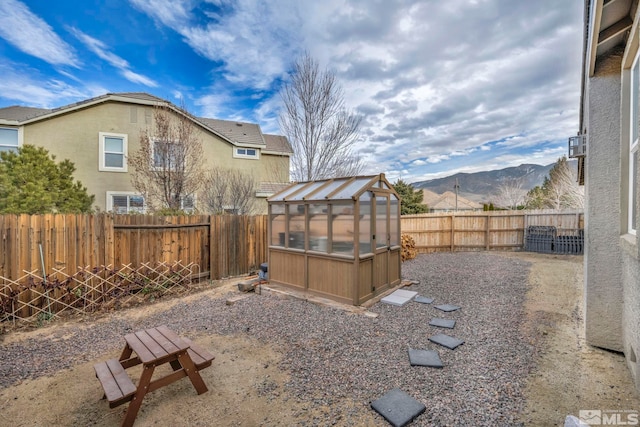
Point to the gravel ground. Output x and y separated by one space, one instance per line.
334 356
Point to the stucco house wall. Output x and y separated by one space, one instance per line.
603 275
631 310
609 110
73 132
75 136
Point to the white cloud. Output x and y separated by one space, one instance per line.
253 40
32 35
173 14
438 89
101 50
137 78
30 88
212 105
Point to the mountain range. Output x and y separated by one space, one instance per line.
481 186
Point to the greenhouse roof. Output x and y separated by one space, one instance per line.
348 188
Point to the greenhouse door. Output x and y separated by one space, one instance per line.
381 243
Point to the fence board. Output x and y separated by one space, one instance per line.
502 230
221 246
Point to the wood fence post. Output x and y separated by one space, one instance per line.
524 230
453 234
487 234
213 265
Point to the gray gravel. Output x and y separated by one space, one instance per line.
332 354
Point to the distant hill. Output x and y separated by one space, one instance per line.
480 186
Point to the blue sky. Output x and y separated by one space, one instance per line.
443 86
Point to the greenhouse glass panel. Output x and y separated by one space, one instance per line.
304 193
393 220
297 226
330 188
342 224
318 227
351 189
287 191
278 222
364 238
381 222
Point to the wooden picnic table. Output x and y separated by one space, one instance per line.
151 348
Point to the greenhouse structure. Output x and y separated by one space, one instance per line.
337 238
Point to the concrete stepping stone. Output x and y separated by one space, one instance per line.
399 297
423 300
447 307
398 408
404 293
442 323
429 358
446 341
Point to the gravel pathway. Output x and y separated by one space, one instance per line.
332 355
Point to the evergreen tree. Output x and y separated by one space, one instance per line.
535 196
32 182
411 200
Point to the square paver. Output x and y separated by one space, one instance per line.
423 300
395 300
404 293
429 358
443 323
447 307
398 407
446 341
399 297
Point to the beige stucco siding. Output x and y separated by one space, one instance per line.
76 136
274 168
603 276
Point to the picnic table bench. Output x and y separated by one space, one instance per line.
152 347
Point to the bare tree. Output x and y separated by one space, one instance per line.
321 130
563 190
511 194
229 191
559 190
167 169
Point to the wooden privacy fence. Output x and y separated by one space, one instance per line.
222 246
63 262
494 230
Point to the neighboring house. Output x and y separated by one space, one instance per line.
99 134
607 149
446 202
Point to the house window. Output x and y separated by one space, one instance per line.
246 153
166 155
125 202
188 204
8 139
113 152
633 146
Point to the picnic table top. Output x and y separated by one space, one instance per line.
156 344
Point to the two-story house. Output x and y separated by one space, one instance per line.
100 133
